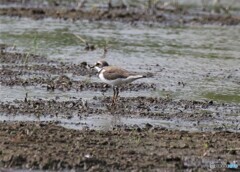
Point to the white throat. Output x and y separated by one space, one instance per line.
98 68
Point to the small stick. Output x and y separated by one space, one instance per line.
83 40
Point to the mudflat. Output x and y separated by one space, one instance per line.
55 114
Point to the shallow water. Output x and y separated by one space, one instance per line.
108 122
34 93
205 58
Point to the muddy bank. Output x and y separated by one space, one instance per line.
52 74
168 17
47 146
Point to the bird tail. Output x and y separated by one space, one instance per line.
137 76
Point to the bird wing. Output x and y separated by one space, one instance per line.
113 72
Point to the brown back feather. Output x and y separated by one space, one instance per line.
113 72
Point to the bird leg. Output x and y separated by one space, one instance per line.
114 93
117 90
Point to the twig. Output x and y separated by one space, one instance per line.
79 37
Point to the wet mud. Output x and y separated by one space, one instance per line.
209 134
47 146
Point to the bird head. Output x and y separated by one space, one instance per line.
100 64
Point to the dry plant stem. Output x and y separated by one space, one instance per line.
81 39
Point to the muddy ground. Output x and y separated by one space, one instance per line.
119 148
49 146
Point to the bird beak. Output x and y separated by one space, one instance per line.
91 67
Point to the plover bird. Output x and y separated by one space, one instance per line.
115 76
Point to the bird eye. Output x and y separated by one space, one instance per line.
97 64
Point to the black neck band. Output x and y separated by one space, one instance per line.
100 71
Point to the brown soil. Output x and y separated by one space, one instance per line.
47 146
